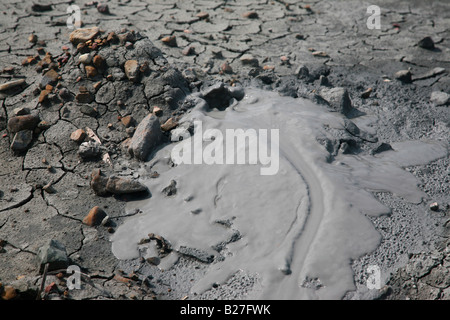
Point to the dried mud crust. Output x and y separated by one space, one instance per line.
298 49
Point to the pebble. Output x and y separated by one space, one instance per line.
440 98
21 111
202 15
22 140
98 182
84 97
54 253
366 93
50 77
36 7
98 61
25 122
171 189
11 84
90 71
170 41
43 96
83 35
403 76
250 15
85 58
147 136
94 217
320 54
188 50
434 206
132 70
127 121
157 111
426 43
226 68
103 8
8 292
248 59
338 98
117 185
78 135
64 94
169 125
32 38
90 150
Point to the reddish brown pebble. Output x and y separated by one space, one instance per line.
170 41
98 61
127 121
95 217
90 71
43 96
78 135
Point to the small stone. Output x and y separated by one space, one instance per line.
434 206
338 98
188 51
98 61
170 41
403 76
226 68
21 111
83 35
248 59
64 94
157 111
94 217
90 150
322 54
426 43
84 97
11 84
50 77
32 38
98 182
202 15
43 97
41 7
25 122
8 292
90 71
440 98
103 8
22 140
250 15
146 138
89 111
127 121
169 125
132 70
171 189
85 58
78 135
366 93
118 185
49 187
54 253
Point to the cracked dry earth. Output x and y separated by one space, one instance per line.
68 123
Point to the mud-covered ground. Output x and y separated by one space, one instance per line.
296 48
